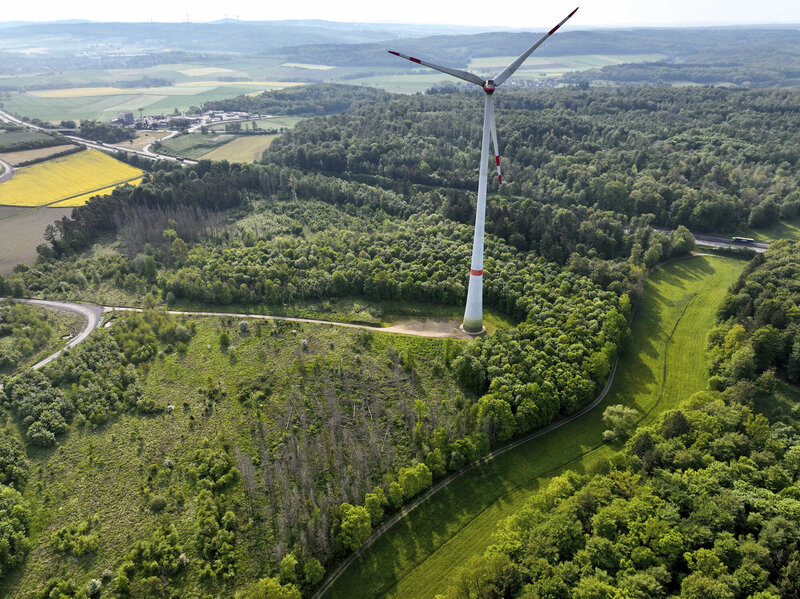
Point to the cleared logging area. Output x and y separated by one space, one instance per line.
416 557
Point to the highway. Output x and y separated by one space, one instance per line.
722 242
97 145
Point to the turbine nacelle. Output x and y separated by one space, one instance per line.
489 86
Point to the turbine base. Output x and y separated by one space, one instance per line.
473 327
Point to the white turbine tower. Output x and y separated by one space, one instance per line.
473 314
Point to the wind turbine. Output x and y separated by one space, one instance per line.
473 314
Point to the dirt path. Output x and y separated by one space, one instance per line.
438 328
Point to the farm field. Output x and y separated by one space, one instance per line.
21 230
80 200
15 158
64 178
534 68
247 148
103 103
415 558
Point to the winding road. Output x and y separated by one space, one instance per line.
8 171
92 313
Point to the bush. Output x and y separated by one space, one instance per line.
14 527
621 421
157 503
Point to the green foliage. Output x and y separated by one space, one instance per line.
77 539
216 525
314 572
42 409
414 479
620 420
354 526
288 569
13 465
23 331
150 566
322 98
269 588
105 132
14 529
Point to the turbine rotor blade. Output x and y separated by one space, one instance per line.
509 70
493 132
469 77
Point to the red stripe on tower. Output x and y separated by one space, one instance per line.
417 60
475 273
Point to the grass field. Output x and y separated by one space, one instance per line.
789 229
275 122
192 145
10 141
74 175
15 158
416 557
21 230
246 148
142 139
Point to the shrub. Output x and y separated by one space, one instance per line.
157 503
621 421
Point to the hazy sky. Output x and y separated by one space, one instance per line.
513 13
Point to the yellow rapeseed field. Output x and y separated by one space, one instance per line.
66 178
83 198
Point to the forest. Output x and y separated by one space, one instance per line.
259 479
703 503
707 158
306 100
